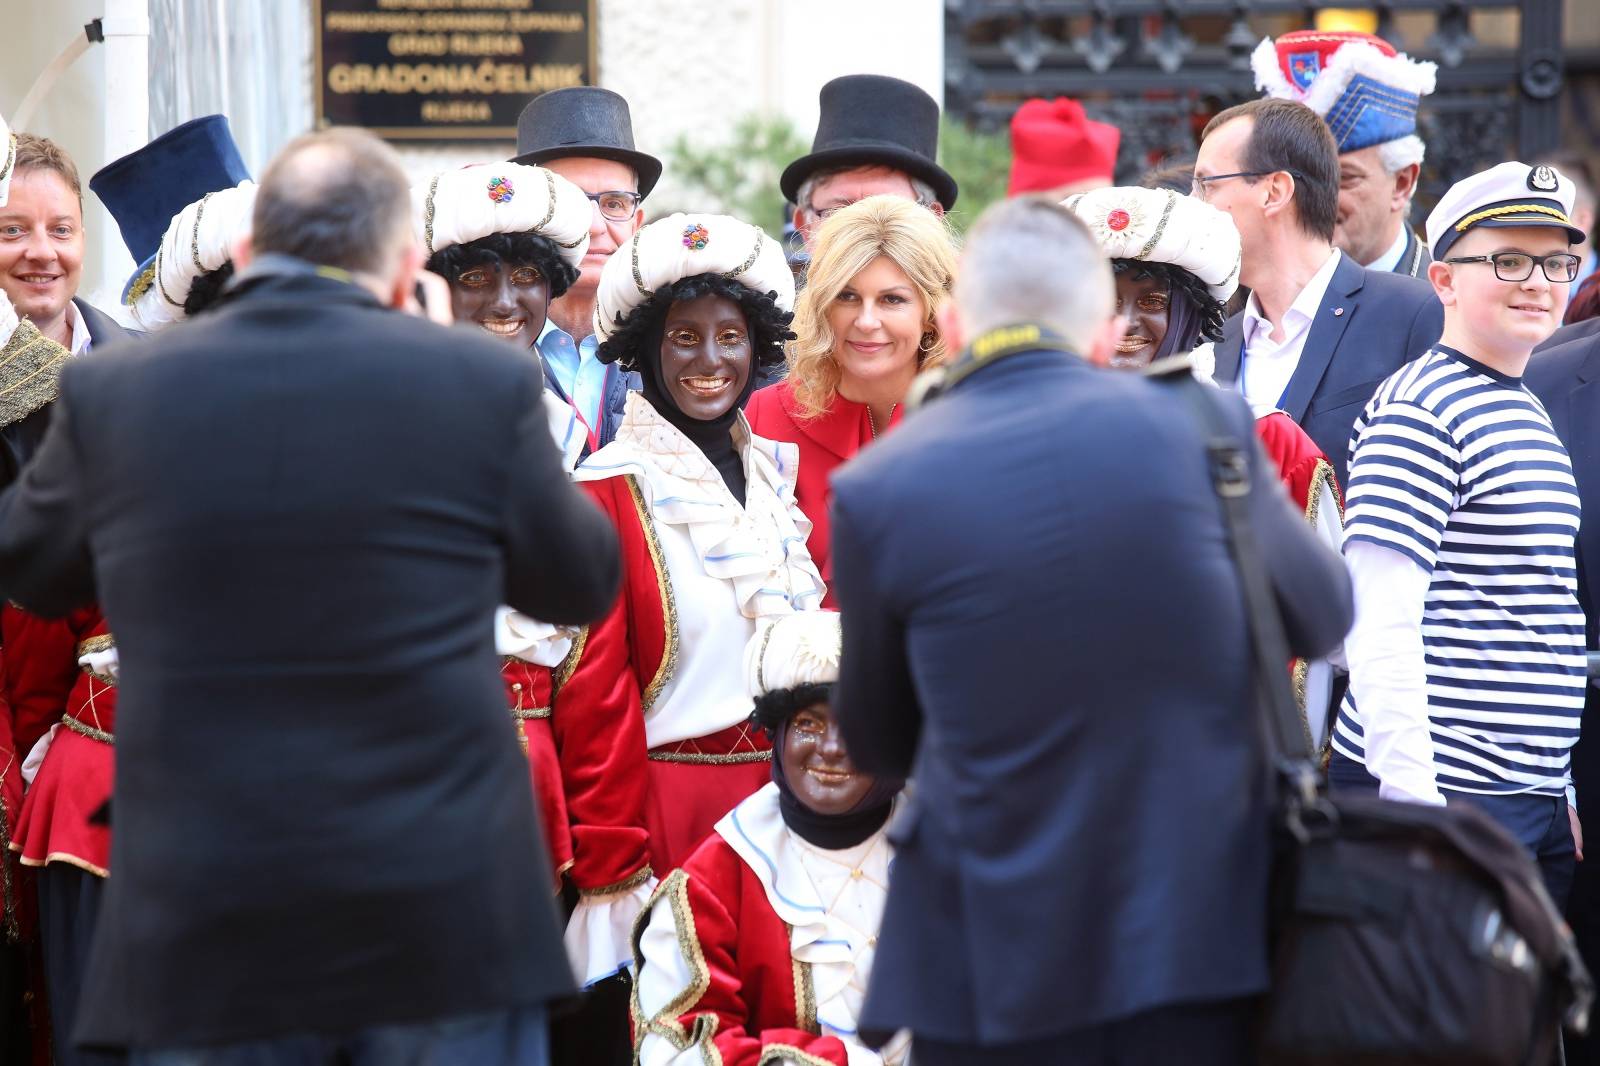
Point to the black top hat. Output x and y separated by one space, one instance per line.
867 119
583 120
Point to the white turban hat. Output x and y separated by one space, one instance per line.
199 239
681 246
793 650
8 159
1160 226
457 206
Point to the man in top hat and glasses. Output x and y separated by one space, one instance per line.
585 134
875 136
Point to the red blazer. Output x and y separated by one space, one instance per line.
825 442
756 1001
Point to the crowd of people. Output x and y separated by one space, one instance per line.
527 651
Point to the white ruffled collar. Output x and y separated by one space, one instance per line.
833 948
761 547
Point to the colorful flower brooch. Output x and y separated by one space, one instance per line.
696 237
500 190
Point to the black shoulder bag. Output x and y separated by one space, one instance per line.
1401 934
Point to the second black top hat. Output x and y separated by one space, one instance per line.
583 120
870 119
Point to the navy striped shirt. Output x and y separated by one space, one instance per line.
1457 466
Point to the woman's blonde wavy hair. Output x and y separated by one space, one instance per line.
914 238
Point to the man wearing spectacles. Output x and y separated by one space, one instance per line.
1467 666
875 136
1319 332
585 134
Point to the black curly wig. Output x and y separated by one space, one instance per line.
769 324
207 288
532 248
1209 311
781 704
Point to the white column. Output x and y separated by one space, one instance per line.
126 119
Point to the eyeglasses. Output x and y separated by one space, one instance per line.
616 205
1559 267
1201 186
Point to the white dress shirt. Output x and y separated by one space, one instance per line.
1391 259
80 330
1267 365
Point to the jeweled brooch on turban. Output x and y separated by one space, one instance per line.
500 190
696 237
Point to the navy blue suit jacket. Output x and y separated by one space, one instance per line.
1043 627
1374 322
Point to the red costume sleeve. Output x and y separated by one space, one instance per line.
597 716
732 1001
41 666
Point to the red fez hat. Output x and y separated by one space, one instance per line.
1053 143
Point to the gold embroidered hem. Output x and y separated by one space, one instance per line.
69 860
725 759
627 884
805 994
30 373
669 606
84 729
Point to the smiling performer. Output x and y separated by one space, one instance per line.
759 948
1176 264
1467 658
865 326
509 239
651 709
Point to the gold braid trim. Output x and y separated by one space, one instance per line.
9 926
727 758
1321 477
550 196
427 214
783 1054
669 606
805 994
84 729
664 1023
755 253
11 157
142 283
1161 227
1512 209
627 884
30 372
569 665
638 278
98 642
528 714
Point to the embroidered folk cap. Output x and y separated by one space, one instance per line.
1054 143
1366 91
461 205
680 246
793 650
1159 226
1510 194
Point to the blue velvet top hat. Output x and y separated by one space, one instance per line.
582 121
1367 92
146 188
867 120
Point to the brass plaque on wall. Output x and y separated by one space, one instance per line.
446 69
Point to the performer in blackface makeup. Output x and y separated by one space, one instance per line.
759 948
652 710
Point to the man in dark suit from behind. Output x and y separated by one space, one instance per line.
1319 331
299 514
1044 629
1566 379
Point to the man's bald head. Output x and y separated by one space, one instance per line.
337 198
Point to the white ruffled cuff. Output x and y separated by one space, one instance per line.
528 639
599 935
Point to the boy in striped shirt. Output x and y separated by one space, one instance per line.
1467 664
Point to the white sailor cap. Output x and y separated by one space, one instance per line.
1511 194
